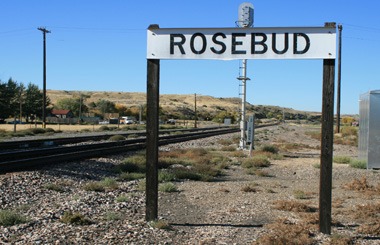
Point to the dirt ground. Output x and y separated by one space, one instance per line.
279 205
240 208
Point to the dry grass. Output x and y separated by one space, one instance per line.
75 218
314 134
300 194
368 213
293 206
226 142
262 173
160 224
372 229
362 185
197 163
251 187
295 146
337 239
285 232
237 154
348 136
369 217
228 148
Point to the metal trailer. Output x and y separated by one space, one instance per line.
369 128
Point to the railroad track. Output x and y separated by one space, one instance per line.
23 159
48 142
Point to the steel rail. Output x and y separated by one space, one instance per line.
20 160
47 142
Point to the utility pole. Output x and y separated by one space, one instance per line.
195 110
340 28
80 109
44 31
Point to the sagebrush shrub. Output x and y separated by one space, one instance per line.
94 186
357 163
9 218
258 161
109 183
167 187
269 148
117 138
75 218
342 159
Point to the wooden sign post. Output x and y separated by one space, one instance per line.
242 43
327 139
152 125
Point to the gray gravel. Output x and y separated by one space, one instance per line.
29 193
201 213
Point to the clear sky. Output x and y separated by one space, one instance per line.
101 46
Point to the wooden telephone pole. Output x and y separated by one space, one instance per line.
44 31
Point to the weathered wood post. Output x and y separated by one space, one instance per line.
152 124
327 138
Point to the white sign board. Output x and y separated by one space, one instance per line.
227 121
250 129
242 43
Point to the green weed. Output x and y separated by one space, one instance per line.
342 159
75 219
167 187
122 198
54 187
117 138
9 218
258 161
356 163
94 186
160 224
109 183
131 176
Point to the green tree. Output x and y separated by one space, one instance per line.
33 101
82 106
19 100
224 114
75 105
16 100
9 104
106 106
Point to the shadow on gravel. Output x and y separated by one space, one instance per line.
86 169
220 225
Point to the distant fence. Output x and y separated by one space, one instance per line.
74 120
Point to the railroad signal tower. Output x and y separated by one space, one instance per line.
245 20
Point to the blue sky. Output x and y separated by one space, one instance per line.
101 46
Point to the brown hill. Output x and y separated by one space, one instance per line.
182 106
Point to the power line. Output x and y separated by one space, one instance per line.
362 28
97 29
365 37
361 38
16 30
22 31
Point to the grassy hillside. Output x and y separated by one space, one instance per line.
183 106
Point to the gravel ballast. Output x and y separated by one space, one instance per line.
217 212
